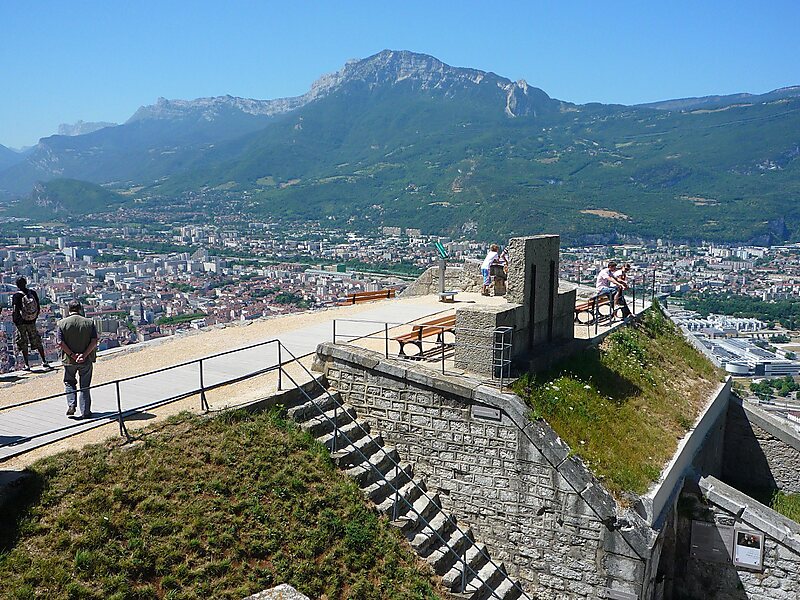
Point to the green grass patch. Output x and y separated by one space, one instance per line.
623 407
786 504
202 508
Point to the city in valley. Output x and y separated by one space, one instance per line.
143 282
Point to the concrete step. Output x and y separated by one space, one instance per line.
324 423
375 467
347 434
482 585
477 556
444 557
312 408
508 590
435 534
413 519
356 452
407 489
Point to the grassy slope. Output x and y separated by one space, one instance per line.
357 154
623 407
787 504
211 508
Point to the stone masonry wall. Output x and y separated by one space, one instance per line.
760 452
700 579
466 279
490 474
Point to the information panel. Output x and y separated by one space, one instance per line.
748 549
711 542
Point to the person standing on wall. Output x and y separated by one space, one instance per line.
486 266
25 311
77 337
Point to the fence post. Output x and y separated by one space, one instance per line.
280 368
203 400
334 331
386 337
633 287
122 429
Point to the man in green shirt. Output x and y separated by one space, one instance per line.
77 337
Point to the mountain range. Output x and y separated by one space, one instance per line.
401 138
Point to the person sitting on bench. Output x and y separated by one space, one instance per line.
609 285
622 275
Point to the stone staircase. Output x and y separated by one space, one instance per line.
389 484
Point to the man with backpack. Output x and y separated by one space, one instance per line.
25 311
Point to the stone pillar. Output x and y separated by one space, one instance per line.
539 314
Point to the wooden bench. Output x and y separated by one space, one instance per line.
588 311
357 297
434 327
591 309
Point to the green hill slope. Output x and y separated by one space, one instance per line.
204 508
396 157
67 197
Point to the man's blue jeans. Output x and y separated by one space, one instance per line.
610 291
83 372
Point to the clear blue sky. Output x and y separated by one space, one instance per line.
61 61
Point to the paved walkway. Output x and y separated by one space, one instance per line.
23 428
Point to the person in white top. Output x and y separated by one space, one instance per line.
608 284
622 275
486 265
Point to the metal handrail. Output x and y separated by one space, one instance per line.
502 347
120 413
148 373
392 487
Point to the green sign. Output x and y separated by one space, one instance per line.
440 249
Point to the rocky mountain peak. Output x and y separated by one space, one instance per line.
83 127
388 67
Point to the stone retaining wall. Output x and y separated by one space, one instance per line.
760 450
720 505
466 278
512 480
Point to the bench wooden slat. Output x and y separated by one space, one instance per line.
437 327
357 297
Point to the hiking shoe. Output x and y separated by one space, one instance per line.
70 411
46 365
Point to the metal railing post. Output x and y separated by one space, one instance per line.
441 341
335 424
396 493
464 570
334 331
280 368
122 429
502 360
203 400
386 338
654 284
633 290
